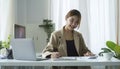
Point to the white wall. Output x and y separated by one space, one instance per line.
38 35
37 10
29 12
21 11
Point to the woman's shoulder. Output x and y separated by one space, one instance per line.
56 32
77 32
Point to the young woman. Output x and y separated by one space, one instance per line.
67 41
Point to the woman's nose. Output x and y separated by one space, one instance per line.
74 24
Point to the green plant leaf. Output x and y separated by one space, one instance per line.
101 53
118 56
6 44
1 45
117 50
106 50
111 45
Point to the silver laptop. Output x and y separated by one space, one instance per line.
24 49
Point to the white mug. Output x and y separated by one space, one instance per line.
107 56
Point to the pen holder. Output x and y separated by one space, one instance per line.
9 54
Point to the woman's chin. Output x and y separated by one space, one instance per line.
71 28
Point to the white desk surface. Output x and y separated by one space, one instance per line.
76 62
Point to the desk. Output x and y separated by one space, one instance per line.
49 62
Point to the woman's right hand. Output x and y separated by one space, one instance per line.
55 55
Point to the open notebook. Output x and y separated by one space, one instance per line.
24 49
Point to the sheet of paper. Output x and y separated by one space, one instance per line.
87 57
64 58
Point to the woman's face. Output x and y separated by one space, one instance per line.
72 22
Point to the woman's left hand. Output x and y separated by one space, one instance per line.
89 54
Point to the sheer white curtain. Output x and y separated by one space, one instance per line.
118 20
6 18
101 23
98 20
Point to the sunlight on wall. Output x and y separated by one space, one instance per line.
6 18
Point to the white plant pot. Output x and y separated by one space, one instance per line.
107 56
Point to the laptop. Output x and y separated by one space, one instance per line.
24 49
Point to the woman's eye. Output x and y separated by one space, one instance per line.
77 22
71 20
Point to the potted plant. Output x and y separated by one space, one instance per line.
111 47
104 50
48 27
6 45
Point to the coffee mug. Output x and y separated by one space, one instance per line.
107 56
